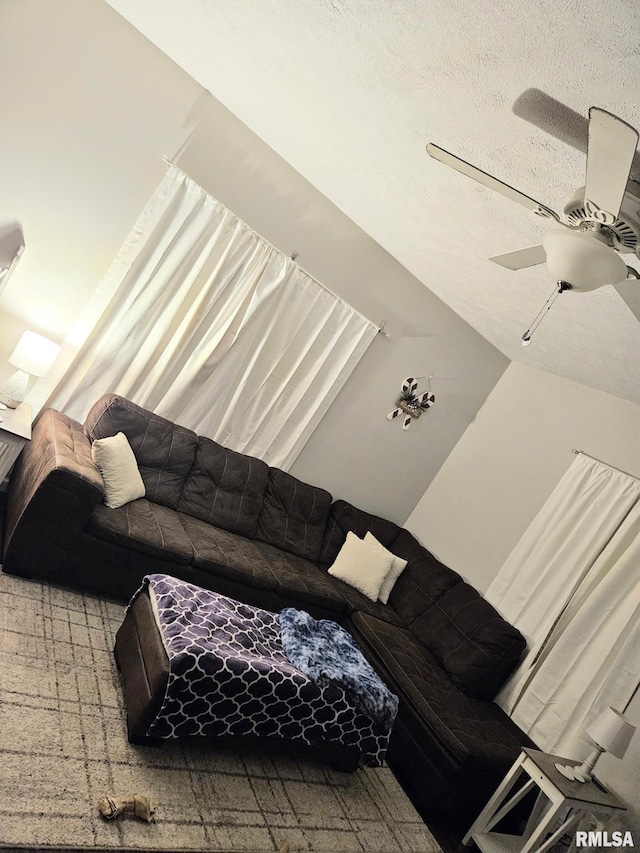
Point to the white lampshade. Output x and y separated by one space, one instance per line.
34 354
612 732
582 260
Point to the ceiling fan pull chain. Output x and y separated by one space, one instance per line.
561 287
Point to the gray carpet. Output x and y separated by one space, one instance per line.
63 746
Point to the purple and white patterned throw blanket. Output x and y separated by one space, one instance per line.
229 675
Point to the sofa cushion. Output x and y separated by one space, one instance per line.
478 733
300 582
293 515
145 527
355 601
225 488
470 639
164 451
221 552
344 517
422 582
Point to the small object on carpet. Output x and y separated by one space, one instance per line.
138 805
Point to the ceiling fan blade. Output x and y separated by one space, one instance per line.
612 145
521 258
489 181
629 290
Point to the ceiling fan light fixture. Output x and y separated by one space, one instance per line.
581 259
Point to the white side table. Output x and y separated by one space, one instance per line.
556 796
15 432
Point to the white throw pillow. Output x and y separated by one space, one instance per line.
398 565
117 464
362 565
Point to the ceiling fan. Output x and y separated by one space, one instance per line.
582 250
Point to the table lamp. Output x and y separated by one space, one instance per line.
33 356
610 732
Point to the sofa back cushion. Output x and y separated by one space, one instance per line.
225 488
163 450
422 582
475 645
345 518
294 515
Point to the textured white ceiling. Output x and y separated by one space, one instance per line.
350 91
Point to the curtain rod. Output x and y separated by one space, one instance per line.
613 467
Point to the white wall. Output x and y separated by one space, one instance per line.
508 461
88 112
89 109
500 473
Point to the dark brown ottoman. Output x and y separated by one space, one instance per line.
144 669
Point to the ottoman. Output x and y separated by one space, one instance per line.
145 671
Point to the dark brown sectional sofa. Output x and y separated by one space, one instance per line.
231 523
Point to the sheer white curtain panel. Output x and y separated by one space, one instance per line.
553 558
206 323
592 658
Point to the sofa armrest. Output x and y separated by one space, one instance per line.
54 488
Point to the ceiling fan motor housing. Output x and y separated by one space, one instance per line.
623 232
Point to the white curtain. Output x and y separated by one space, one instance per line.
547 568
206 323
592 659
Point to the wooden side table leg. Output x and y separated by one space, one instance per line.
573 819
541 804
484 819
532 845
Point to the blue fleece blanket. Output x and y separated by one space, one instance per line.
325 652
